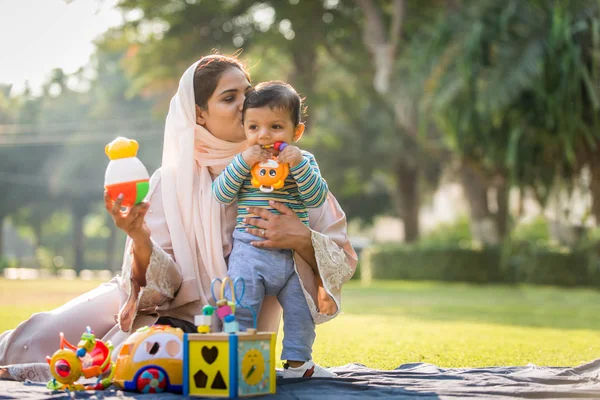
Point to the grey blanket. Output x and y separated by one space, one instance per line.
423 381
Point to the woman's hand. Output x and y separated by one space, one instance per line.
132 221
284 231
279 231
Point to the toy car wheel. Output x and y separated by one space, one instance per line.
151 380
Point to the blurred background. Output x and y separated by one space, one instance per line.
460 137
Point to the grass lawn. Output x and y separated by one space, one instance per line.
390 323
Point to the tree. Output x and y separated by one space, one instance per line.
513 87
18 170
294 41
386 26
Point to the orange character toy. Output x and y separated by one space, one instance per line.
269 175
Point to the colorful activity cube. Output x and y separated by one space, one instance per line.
228 365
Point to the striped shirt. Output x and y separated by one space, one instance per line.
303 188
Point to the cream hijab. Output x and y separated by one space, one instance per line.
194 218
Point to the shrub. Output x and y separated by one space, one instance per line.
446 264
528 262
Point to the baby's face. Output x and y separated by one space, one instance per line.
264 126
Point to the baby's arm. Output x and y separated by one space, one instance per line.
229 182
311 185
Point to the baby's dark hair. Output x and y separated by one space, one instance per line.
275 95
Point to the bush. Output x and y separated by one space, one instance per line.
446 264
7 263
528 263
356 275
448 234
535 231
4 263
543 263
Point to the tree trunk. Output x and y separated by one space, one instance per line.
79 213
303 78
502 199
37 240
452 5
110 248
37 233
475 185
407 177
595 190
521 209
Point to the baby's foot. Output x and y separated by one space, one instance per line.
307 370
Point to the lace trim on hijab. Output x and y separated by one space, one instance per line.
158 282
331 259
317 316
34 372
334 270
157 291
158 287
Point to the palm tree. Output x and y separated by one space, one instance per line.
513 85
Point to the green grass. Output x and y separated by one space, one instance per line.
390 323
21 298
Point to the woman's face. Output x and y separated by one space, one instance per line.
223 117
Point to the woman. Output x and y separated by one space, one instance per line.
178 241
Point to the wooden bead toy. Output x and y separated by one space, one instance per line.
231 363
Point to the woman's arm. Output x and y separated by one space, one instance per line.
305 249
142 251
133 224
151 277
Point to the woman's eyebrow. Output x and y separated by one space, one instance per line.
227 91
235 90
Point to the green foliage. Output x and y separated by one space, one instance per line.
554 266
513 87
312 44
528 262
446 264
45 259
448 234
6 263
535 231
52 161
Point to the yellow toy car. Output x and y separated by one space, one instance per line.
151 361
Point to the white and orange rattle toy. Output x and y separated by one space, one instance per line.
125 172
270 175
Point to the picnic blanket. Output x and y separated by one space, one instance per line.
408 381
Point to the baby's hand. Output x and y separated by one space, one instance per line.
290 155
255 154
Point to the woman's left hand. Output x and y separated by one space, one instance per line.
284 231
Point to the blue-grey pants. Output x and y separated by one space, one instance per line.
270 272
